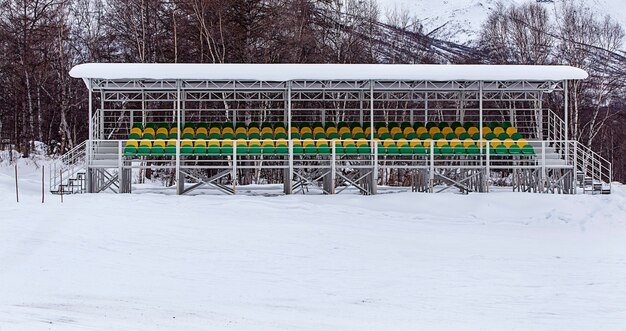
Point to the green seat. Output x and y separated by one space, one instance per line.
411 136
228 136
187 136
405 150
215 136
393 149
516 136
310 150
279 125
227 150
460 150
430 125
386 136
446 150
493 125
241 149
130 150
501 150
396 136
323 149
339 150
417 125
267 136
490 136
213 150
503 136
473 150
455 125
342 125
405 125
147 136
425 136
438 136
298 150
465 135
476 136
282 150
451 136
320 135
186 150
281 136
295 135
333 135
468 125
170 150
364 150
351 149
255 150
198 136
505 125
329 125
419 150
528 150
346 136
199 150
254 136
268 149
442 125
138 125
515 150
306 136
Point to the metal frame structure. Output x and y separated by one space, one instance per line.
559 166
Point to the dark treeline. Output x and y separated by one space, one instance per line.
41 40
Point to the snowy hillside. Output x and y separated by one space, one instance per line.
466 16
407 261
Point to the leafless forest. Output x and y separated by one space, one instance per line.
41 40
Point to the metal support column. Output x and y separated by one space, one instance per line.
88 170
289 175
180 177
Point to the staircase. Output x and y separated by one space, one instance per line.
593 172
68 175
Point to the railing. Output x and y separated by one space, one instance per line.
588 162
68 166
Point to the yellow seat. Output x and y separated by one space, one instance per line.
230 131
441 143
159 143
388 142
330 130
368 131
362 142
136 131
321 142
446 131
455 142
473 130
297 142
213 142
395 130
427 142
522 142
188 130
202 131
227 142
408 130
498 131
242 142
186 142
173 132
356 131
495 142
486 130
267 130
318 130
282 142
306 130
434 130
254 130
308 142
268 143
415 142
280 130
254 142
468 142
215 131
511 130
132 143
239 130
149 131
382 130
348 142
509 142
459 131
199 142
344 130
402 142
171 142
295 130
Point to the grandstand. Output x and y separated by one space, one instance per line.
329 126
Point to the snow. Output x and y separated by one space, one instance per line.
287 72
400 261
464 18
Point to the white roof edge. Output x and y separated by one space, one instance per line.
287 72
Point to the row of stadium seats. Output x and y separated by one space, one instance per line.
354 131
394 139
309 146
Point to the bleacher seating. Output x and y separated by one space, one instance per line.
316 139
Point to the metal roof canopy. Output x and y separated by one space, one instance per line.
325 72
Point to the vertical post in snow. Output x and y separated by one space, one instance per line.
480 132
372 114
88 176
17 189
43 179
373 144
566 134
61 185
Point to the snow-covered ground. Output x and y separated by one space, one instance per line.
405 261
464 17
